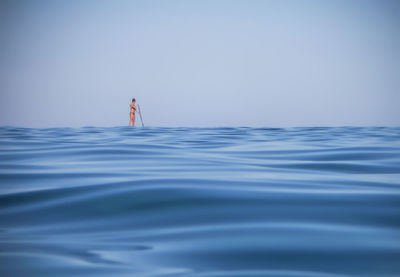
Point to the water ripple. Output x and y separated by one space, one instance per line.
202 202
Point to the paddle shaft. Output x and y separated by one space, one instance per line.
140 113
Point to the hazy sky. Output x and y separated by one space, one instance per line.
200 63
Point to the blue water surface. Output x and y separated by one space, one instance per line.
202 202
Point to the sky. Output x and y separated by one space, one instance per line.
205 63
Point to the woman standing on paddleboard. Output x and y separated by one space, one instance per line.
132 113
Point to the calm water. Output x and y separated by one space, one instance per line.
200 202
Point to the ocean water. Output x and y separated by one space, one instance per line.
202 202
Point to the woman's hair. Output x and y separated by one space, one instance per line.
133 99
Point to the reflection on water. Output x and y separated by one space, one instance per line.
200 202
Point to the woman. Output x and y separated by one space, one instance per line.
132 113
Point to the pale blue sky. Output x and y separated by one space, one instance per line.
200 63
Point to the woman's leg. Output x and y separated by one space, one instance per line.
131 120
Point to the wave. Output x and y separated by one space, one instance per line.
206 202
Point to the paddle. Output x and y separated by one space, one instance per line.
140 115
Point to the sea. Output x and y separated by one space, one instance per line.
201 202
